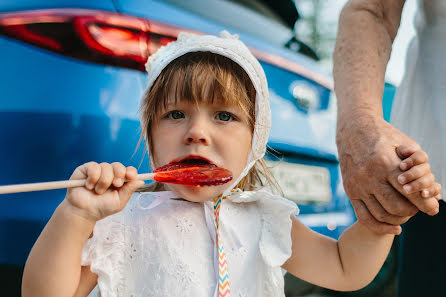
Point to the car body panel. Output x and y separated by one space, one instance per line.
57 113
19 5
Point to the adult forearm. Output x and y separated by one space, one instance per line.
53 267
362 51
362 253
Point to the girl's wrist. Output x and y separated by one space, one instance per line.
74 213
364 229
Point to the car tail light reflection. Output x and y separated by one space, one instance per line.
96 36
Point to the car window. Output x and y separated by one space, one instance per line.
246 16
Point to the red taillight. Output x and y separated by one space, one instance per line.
97 36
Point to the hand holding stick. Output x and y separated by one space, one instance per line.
178 173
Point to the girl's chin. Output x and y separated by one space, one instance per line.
197 194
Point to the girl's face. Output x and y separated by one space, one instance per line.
216 132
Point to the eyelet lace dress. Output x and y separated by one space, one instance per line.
161 245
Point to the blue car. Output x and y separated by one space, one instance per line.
72 74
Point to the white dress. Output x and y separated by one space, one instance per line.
162 246
420 101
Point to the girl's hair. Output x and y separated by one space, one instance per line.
204 77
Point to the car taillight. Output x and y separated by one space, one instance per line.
96 36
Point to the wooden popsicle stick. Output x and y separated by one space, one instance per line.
57 184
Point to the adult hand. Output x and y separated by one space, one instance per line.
370 164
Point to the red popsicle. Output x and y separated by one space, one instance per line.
192 174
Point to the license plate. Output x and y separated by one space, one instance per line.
302 184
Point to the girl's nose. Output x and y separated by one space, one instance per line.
197 133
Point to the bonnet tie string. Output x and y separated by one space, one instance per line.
223 278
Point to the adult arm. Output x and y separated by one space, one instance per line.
366 142
348 264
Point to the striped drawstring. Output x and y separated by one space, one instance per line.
223 278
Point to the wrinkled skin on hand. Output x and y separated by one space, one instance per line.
370 167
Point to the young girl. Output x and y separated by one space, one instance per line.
206 102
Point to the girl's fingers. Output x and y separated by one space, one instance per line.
119 172
126 191
93 173
414 173
417 158
131 172
106 178
432 191
101 176
405 151
419 184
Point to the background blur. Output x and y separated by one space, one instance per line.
318 28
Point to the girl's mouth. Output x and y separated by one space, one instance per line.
192 160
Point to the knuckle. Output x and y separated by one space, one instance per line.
118 164
412 211
383 217
118 168
399 220
431 178
429 205
409 175
424 156
132 170
384 161
396 209
105 164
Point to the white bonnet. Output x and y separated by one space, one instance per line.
231 47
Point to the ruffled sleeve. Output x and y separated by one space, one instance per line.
104 253
275 237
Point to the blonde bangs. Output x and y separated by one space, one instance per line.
201 77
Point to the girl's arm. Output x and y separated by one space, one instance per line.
54 267
345 265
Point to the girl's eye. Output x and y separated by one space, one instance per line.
175 115
224 116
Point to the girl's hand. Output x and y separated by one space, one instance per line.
105 192
417 176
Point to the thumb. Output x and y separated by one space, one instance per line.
126 191
405 151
